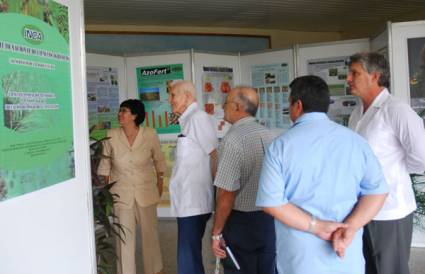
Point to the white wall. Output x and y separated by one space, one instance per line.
50 231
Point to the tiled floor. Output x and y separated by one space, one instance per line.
168 235
417 261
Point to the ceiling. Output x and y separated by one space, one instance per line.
297 15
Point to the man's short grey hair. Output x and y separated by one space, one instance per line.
374 62
248 106
184 86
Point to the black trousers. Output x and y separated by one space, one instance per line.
386 246
189 243
252 239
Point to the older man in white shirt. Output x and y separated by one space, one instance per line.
191 184
396 135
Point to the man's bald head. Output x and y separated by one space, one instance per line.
184 86
247 98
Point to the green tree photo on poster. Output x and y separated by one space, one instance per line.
36 148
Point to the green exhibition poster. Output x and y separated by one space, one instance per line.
36 148
152 84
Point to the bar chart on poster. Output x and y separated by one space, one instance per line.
152 86
149 79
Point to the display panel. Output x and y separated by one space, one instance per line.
37 147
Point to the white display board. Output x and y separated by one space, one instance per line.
106 89
108 61
379 43
328 60
324 50
214 75
264 58
399 62
267 68
201 60
50 231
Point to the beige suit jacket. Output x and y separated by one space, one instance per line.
132 167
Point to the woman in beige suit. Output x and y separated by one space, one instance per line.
133 154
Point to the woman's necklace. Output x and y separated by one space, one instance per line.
131 136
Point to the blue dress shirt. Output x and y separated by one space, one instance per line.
323 168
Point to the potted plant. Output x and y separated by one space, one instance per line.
106 226
418 182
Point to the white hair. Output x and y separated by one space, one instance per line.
184 86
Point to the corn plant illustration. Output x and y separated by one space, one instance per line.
59 18
3 190
16 117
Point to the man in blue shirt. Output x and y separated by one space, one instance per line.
322 183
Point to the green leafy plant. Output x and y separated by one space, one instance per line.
3 190
106 222
422 113
418 182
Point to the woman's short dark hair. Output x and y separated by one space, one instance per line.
312 91
137 108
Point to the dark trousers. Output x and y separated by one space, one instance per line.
252 239
189 243
386 246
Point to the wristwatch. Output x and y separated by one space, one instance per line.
312 223
216 237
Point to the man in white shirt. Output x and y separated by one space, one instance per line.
396 135
191 184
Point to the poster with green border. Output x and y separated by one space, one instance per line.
152 86
36 129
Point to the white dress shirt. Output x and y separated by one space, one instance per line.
191 185
396 135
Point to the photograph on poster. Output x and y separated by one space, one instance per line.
216 84
102 99
334 71
153 83
37 147
416 57
271 83
341 107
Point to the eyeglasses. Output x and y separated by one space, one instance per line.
226 103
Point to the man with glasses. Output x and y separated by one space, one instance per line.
238 223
